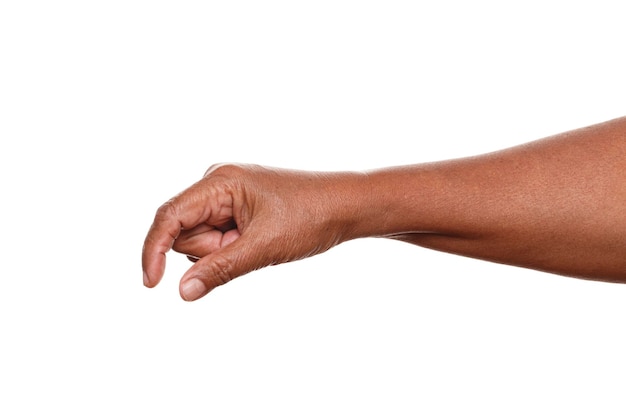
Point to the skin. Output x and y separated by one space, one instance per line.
557 205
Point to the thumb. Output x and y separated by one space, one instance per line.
220 267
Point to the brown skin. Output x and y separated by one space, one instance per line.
556 204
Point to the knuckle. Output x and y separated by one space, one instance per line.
226 169
233 170
212 168
221 270
167 210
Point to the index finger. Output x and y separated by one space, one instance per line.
182 212
163 231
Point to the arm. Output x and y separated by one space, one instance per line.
557 204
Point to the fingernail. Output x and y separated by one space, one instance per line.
193 289
146 280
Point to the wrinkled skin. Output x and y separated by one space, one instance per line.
240 218
557 205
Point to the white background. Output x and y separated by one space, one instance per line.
107 109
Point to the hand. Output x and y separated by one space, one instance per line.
237 219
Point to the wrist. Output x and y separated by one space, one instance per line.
362 204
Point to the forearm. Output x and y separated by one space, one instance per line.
557 204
